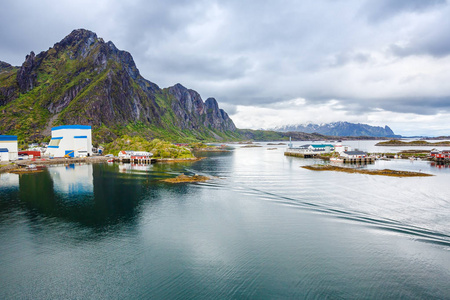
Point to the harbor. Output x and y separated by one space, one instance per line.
261 217
332 152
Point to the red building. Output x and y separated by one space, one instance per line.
34 154
444 154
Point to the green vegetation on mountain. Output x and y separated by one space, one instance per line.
83 80
159 148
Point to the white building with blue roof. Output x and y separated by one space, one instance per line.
70 140
325 148
8 147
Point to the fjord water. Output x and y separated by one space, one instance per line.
262 228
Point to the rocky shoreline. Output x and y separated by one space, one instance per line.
397 143
177 160
54 161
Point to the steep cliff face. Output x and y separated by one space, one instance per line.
217 118
27 75
192 112
83 80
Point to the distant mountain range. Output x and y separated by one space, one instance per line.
340 129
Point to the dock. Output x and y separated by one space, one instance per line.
319 155
302 154
359 160
135 160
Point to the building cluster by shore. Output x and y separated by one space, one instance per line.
344 154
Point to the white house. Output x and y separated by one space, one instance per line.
135 154
354 154
8 147
316 148
70 140
341 148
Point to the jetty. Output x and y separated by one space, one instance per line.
126 160
290 152
353 160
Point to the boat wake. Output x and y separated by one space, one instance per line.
416 232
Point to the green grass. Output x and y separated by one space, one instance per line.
159 148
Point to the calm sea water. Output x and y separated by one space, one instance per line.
263 228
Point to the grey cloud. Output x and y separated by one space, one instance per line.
380 10
231 109
208 67
258 53
341 59
432 41
416 105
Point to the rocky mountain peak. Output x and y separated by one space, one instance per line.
26 76
188 99
211 103
76 36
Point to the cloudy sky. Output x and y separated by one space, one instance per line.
269 63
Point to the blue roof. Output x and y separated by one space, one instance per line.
322 146
8 137
72 127
80 137
4 150
57 138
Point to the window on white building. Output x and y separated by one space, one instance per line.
54 142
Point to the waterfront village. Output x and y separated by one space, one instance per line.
67 142
345 154
75 142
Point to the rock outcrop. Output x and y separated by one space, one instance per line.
27 75
192 112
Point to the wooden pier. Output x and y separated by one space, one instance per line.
442 160
135 160
359 160
299 154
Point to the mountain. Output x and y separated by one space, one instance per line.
341 129
84 80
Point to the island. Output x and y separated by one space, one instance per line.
384 172
251 146
412 143
184 178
